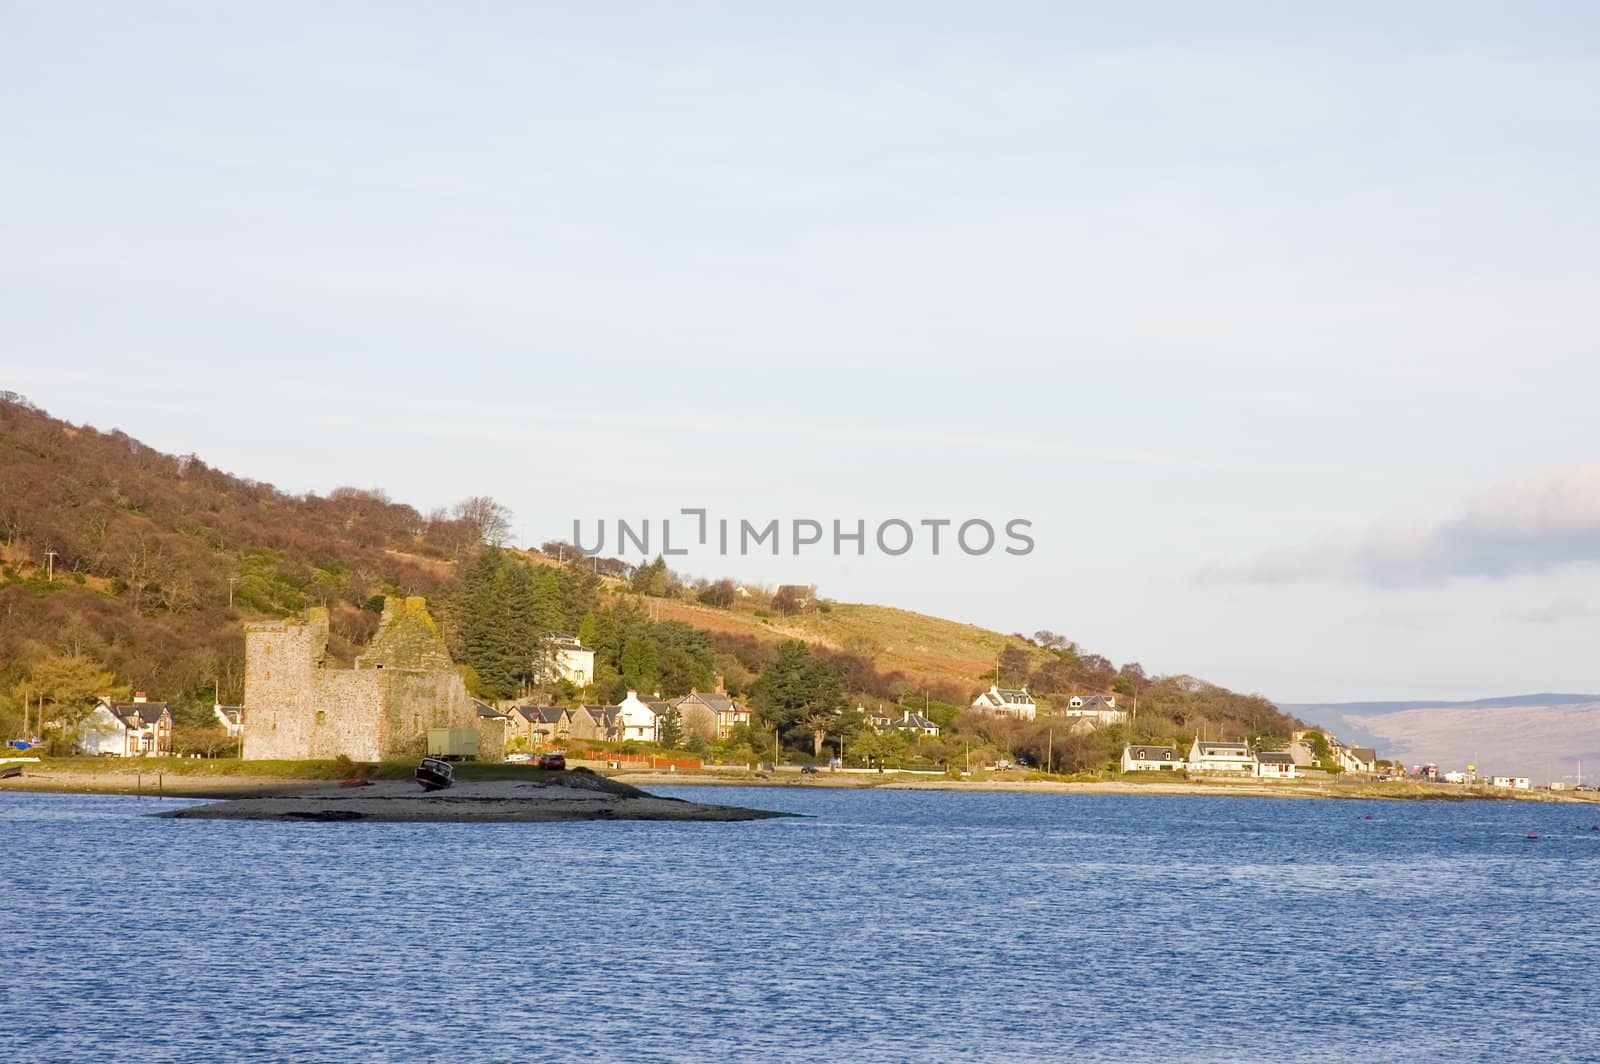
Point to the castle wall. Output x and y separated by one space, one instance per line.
295 708
416 700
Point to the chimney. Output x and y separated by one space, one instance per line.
139 696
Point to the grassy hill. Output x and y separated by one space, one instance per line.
157 560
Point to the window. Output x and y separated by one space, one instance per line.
322 717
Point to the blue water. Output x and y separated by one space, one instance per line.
887 926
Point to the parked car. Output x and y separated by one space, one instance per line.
519 759
810 770
556 762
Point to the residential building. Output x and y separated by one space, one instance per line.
1208 757
139 728
1095 709
230 717
877 718
1362 760
1007 702
637 719
597 722
914 723
539 725
1274 765
571 661
1150 758
710 716
1515 783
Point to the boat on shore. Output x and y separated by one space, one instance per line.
435 774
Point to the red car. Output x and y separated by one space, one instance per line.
551 761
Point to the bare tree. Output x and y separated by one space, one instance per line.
486 520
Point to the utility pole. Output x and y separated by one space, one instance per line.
50 565
231 581
1049 749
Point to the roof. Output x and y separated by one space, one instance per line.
230 712
1006 696
486 710
660 708
1274 757
1363 753
1152 753
542 714
714 700
1208 747
146 713
913 720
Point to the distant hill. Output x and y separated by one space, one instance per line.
1544 736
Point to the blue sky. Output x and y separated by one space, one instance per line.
1278 328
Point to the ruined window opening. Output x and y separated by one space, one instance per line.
322 717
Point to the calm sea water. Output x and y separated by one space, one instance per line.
885 926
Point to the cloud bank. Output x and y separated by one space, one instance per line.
1527 524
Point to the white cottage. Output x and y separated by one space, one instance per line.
1095 709
1212 758
637 719
914 723
140 728
1275 765
1150 759
1007 702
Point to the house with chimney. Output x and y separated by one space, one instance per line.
140 728
1211 758
1095 710
914 724
710 716
1007 702
1150 758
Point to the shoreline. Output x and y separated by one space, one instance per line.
199 781
1311 790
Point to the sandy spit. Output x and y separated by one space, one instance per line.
579 797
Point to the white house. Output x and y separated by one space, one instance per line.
1275 765
1515 783
127 729
1150 759
570 661
1007 702
1096 709
915 723
637 718
1362 760
230 717
1206 757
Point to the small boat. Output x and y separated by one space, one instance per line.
10 772
1530 835
435 774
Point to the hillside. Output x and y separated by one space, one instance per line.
128 569
1543 736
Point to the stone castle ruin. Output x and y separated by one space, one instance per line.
298 706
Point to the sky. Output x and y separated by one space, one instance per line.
1279 328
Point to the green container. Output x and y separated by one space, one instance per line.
453 742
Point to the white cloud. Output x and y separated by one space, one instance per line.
1528 524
